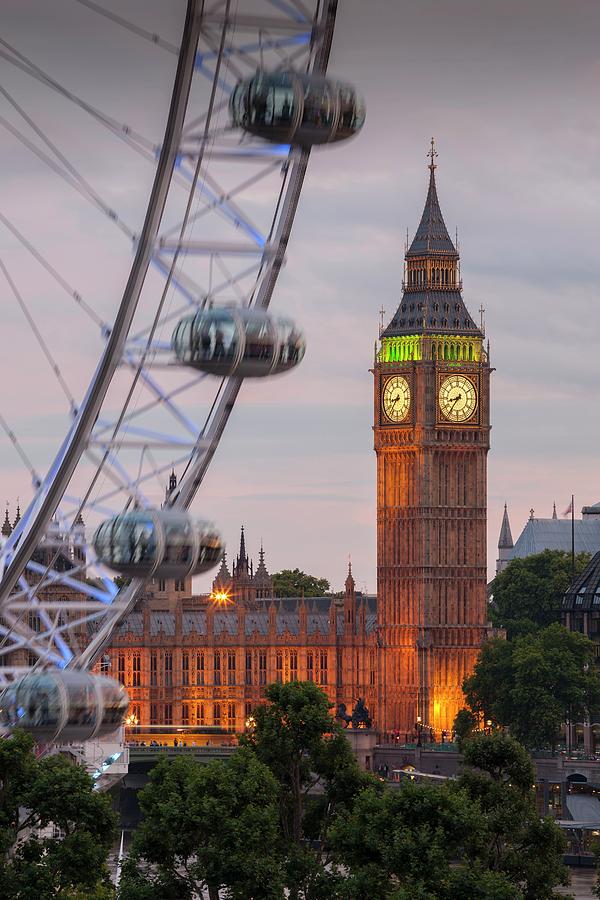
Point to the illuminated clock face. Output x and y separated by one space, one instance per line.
396 398
458 398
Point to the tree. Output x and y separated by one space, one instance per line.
477 837
534 684
34 796
294 583
419 841
207 827
298 739
528 593
465 723
498 776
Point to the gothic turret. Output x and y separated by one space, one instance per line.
349 602
349 583
222 581
6 526
263 582
171 486
241 566
505 543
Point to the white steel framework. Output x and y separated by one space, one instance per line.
216 229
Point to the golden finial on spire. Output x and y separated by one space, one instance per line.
432 153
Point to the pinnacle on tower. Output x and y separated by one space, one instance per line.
222 580
6 526
17 516
171 486
349 584
261 569
505 541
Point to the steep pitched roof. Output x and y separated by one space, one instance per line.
433 312
505 541
432 235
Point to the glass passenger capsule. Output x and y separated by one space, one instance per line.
168 543
244 342
67 704
291 108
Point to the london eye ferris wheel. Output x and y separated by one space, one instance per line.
250 98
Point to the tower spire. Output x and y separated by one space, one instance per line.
505 541
432 154
432 302
242 553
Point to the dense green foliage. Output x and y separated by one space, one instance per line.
477 837
534 684
297 738
36 794
294 583
527 595
207 826
247 829
498 777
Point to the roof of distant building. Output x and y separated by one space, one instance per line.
555 534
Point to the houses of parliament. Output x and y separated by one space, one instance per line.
204 661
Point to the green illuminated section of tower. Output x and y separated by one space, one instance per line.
452 348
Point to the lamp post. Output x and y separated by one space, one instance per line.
419 729
488 726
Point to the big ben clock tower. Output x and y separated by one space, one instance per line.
431 429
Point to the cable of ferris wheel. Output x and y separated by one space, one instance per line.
130 26
18 447
61 157
69 179
20 61
75 295
221 203
38 336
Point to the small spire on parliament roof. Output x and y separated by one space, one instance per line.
242 553
505 541
222 580
261 569
6 526
554 516
18 515
349 579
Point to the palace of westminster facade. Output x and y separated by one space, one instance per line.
194 662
